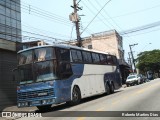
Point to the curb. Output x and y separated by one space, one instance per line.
15 109
124 86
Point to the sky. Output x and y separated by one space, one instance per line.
51 18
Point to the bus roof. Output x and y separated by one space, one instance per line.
62 46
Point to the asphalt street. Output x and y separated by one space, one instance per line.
143 98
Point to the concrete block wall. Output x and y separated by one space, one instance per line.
8 61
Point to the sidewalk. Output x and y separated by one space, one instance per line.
13 109
124 86
16 109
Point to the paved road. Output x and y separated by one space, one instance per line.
144 97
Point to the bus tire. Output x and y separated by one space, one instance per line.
76 96
112 88
44 108
107 89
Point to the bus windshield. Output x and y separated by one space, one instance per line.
45 71
37 65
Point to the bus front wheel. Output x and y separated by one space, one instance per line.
76 96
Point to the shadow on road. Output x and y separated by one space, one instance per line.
64 106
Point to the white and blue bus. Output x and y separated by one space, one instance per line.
54 74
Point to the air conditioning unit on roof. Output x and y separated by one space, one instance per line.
41 43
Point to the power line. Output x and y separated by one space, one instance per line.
44 31
47 14
143 32
20 36
113 21
138 11
96 16
107 14
32 10
134 12
141 28
40 13
48 17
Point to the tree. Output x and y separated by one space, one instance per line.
149 60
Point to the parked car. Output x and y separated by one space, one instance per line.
150 75
145 78
142 79
132 80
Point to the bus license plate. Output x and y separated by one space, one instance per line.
35 102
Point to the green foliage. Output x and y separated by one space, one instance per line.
149 60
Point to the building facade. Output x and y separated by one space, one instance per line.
10 36
109 41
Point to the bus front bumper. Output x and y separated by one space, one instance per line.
36 102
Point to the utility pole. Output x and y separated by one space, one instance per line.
75 19
133 61
129 60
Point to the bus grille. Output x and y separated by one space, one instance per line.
35 94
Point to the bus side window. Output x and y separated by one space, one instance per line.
64 55
79 56
103 59
95 58
114 60
65 70
87 57
76 56
109 60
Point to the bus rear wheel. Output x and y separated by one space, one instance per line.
76 96
112 88
108 91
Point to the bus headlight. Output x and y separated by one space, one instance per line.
26 103
19 104
44 101
53 100
22 104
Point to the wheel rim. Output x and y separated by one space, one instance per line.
107 89
112 88
75 95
